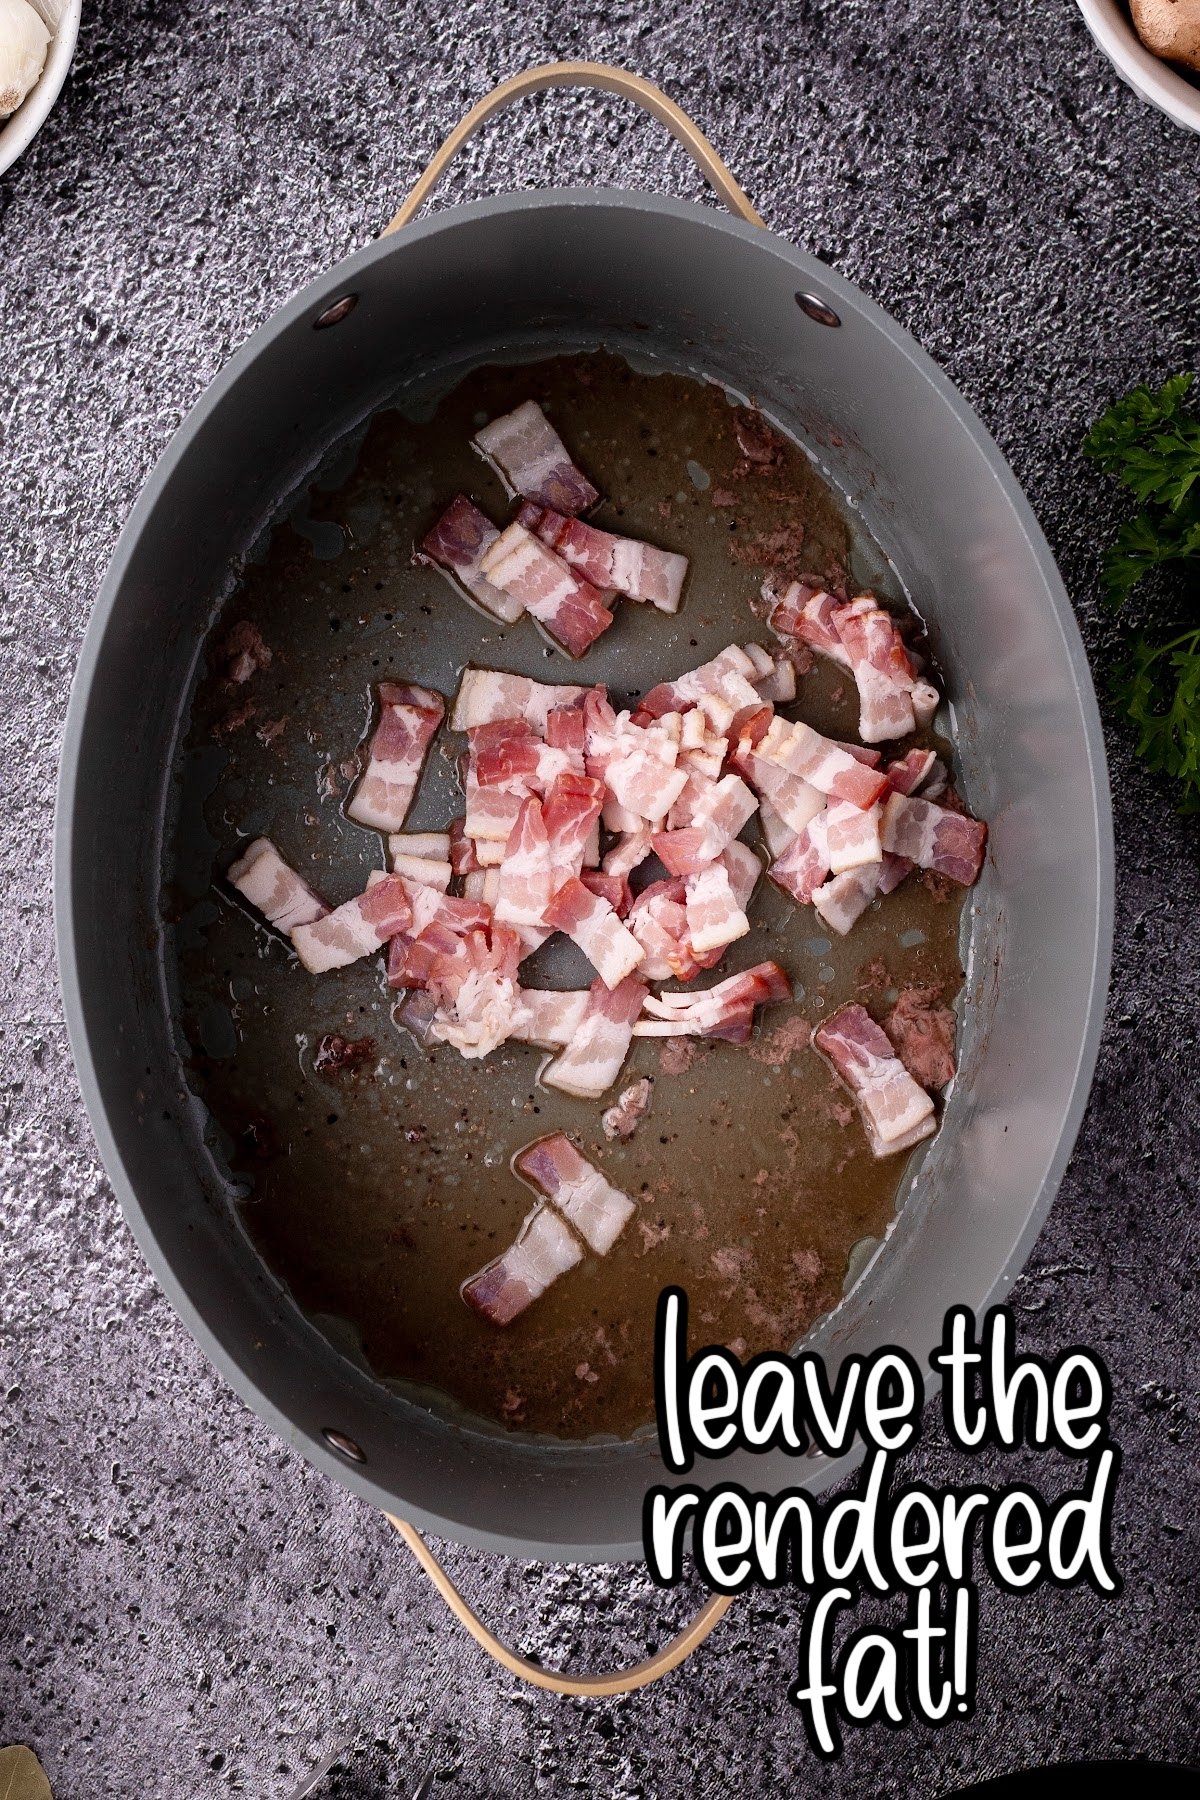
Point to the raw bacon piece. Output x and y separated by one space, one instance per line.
532 458
628 853
714 918
273 887
592 1060
424 870
632 1104
896 1112
544 1250
457 544
658 920
806 612
934 838
842 900
479 1001
725 1010
408 718
438 922
527 872
460 849
598 1211
551 1017
613 888
683 852
486 695
637 570
569 608
571 811
882 671
356 928
851 836
778 836
779 684
744 869
729 676
825 765
804 865
911 771
590 921
433 846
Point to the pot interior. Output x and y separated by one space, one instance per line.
675 287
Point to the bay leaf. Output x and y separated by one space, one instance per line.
22 1776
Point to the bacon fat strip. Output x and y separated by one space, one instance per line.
545 1249
356 928
895 1112
273 887
639 571
598 1211
935 838
566 605
532 458
457 544
527 872
488 695
408 719
827 766
714 918
590 921
592 1060
551 1016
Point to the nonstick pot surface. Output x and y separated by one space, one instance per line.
516 279
379 1174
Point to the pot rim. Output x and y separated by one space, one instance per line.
308 302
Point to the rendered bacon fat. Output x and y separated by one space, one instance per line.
598 1211
896 1112
528 452
408 718
271 885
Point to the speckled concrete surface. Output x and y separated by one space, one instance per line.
185 1608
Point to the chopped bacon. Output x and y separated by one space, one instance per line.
864 637
778 835
592 1060
632 1104
744 869
934 838
486 695
273 887
457 544
545 1249
438 921
566 730
911 771
729 676
683 852
613 888
532 458
590 921
637 570
825 765
628 853
714 917
842 900
479 1000
726 1010
460 849
893 871
598 1211
527 872
433 846
658 920
895 1112
778 685
422 869
551 1017
356 928
571 812
804 865
851 836
408 718
570 608
805 611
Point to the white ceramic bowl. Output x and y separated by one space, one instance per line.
19 130
1154 80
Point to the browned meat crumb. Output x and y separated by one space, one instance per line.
585 1372
809 1267
801 657
664 509
677 1055
923 1032
874 977
760 444
940 886
234 719
786 1040
266 734
652 1235
723 496
335 1053
623 1119
781 550
242 653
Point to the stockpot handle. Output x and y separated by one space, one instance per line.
618 1681
583 75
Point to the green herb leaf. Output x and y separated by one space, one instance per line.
1159 687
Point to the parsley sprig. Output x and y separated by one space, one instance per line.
1150 443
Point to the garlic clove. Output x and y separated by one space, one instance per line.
23 43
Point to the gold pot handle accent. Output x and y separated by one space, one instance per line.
618 1681
583 75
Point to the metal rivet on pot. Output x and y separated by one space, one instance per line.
345 1446
817 309
336 312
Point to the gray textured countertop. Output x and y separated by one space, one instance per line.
185 1607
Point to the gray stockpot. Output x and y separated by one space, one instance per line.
697 289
